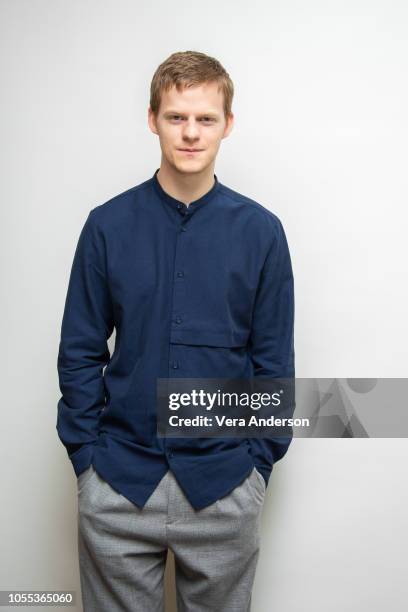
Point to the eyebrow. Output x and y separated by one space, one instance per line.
205 114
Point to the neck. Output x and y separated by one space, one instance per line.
185 187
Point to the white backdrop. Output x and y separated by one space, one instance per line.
320 138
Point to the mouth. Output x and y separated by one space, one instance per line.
186 150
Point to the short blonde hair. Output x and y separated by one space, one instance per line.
189 68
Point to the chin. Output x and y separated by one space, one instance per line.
190 166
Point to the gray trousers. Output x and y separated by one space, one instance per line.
123 549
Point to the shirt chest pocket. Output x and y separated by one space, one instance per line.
211 354
222 338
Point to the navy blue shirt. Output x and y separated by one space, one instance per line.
198 291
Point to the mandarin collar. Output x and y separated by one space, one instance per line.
180 206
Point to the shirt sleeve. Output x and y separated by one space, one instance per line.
271 342
83 350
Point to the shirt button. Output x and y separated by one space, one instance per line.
183 229
178 319
175 365
171 454
180 274
179 206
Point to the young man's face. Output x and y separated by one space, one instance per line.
191 119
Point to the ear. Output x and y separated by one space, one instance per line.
151 119
228 125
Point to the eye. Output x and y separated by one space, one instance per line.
208 119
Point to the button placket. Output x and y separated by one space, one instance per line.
179 316
175 361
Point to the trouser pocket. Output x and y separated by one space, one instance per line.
85 477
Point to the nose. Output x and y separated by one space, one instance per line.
190 130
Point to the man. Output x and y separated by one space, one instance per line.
197 281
